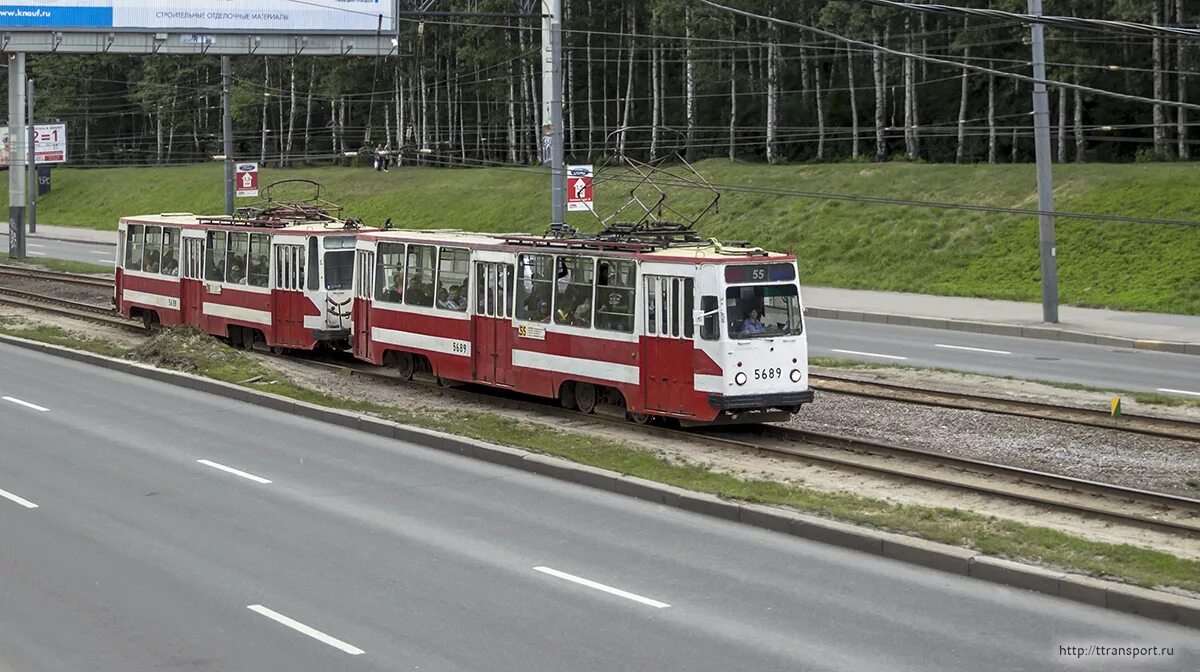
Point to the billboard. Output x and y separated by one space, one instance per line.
309 16
49 146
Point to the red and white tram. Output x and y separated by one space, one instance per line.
697 331
278 281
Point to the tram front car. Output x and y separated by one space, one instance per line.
751 323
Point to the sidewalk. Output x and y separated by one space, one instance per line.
72 234
1146 331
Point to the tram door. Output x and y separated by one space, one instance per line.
364 283
191 285
667 348
287 293
493 322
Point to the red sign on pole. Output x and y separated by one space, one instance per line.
579 188
246 179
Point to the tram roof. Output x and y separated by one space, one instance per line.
190 220
707 250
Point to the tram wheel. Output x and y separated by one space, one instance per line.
248 339
405 365
150 319
639 418
585 397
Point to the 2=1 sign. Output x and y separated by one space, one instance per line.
579 188
246 179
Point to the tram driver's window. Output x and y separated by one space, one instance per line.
616 294
215 254
535 284
133 248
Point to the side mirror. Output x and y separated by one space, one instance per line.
698 318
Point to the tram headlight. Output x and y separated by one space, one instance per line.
795 375
740 378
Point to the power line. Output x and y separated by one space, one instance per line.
1074 22
956 64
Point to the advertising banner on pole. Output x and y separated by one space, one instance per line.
310 16
579 189
246 179
50 144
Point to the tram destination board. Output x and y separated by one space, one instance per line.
742 274
201 16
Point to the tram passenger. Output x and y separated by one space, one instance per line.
582 316
260 268
150 261
170 265
456 301
442 298
614 314
395 293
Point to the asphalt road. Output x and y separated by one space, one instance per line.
60 249
1097 366
362 553
1113 368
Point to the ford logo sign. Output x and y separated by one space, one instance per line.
247 167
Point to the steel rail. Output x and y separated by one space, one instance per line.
1169 428
76 309
54 276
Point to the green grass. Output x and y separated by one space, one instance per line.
189 350
59 265
950 252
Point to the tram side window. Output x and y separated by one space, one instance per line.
235 269
573 291
419 288
260 259
710 330
215 254
454 267
133 247
534 287
689 305
170 251
615 294
389 273
314 265
153 249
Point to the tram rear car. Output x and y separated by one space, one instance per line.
701 333
285 285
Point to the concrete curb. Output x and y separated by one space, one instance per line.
964 562
1045 333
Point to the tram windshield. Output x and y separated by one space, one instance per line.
763 311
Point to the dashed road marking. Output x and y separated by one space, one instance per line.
19 500
26 404
963 347
601 587
869 354
302 628
235 472
1170 391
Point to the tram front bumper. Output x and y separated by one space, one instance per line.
750 401
342 334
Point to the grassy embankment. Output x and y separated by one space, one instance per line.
934 251
191 351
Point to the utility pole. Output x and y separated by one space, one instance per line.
552 112
31 184
16 156
1041 136
227 131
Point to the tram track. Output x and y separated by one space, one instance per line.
1153 510
1162 512
10 270
1138 424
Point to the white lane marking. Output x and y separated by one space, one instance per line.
300 627
868 354
26 404
19 500
601 587
1170 391
100 252
33 245
235 472
110 262
36 254
963 347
